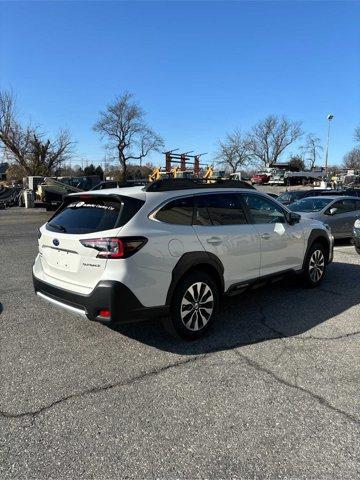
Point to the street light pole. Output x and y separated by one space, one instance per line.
329 117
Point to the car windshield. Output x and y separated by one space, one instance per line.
310 204
288 196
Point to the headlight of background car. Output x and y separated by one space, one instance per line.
357 223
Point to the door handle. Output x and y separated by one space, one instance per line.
214 240
266 236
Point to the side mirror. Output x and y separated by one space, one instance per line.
294 218
333 210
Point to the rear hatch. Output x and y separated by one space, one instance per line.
82 217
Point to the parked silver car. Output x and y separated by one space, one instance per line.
356 236
339 213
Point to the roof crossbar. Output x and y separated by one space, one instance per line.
169 184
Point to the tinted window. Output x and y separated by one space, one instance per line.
94 214
352 193
264 210
344 206
178 212
220 209
314 193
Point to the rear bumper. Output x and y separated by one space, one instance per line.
107 295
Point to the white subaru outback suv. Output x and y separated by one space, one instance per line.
171 250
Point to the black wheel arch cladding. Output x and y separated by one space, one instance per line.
317 235
189 262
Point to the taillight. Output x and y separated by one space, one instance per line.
113 247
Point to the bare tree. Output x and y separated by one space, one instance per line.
271 136
357 135
312 149
336 169
128 135
352 159
234 151
27 146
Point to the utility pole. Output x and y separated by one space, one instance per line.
329 117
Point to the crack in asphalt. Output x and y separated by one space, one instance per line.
99 389
333 292
282 337
263 321
34 413
278 336
339 337
315 396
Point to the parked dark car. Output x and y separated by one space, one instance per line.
273 195
353 192
287 198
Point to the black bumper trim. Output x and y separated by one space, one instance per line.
108 294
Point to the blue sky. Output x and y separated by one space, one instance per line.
200 69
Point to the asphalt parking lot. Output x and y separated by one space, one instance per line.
272 392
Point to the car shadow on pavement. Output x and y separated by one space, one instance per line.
274 311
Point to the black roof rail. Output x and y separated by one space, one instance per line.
169 184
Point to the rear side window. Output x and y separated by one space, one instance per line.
94 214
177 212
344 206
219 209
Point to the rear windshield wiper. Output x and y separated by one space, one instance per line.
59 227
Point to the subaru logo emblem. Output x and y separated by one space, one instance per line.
56 242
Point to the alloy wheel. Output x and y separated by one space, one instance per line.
316 265
197 306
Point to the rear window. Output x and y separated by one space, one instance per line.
94 214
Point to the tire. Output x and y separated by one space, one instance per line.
314 266
187 319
